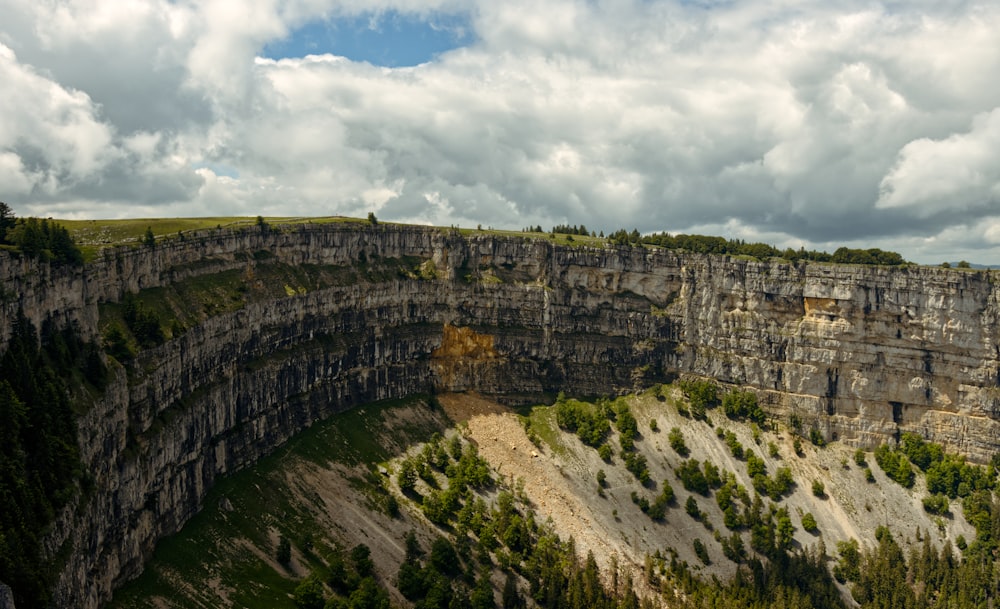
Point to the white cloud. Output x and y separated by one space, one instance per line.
48 125
803 122
958 173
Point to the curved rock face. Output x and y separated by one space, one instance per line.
860 353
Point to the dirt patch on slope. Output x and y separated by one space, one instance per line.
502 441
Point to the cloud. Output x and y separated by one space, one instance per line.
803 123
958 174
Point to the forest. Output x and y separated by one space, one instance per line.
36 238
40 469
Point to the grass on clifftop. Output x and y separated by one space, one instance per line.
94 235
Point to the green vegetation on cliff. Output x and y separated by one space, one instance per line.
703 244
39 457
37 238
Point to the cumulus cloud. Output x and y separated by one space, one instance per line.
806 123
957 174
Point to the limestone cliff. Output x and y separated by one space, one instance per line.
860 353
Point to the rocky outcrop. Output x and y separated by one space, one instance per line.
860 353
6 597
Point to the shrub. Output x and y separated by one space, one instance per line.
676 438
895 465
702 395
391 506
735 447
741 405
443 557
309 594
627 426
407 476
691 476
936 504
755 466
691 507
712 476
816 437
701 552
732 548
636 464
659 506
361 557
818 489
809 522
583 420
859 458
783 481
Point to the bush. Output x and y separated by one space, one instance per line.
936 504
659 506
582 419
627 426
636 464
702 395
818 489
691 507
407 476
859 458
816 437
741 405
732 548
755 466
712 476
677 443
702 552
809 523
691 476
361 557
735 447
309 594
782 483
895 465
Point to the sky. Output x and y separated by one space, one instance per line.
795 122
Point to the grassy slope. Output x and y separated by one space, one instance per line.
226 552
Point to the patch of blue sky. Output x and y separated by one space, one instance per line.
391 39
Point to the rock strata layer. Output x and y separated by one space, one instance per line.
859 353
